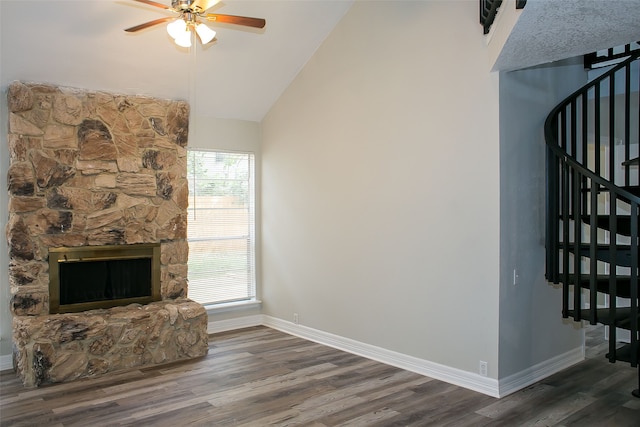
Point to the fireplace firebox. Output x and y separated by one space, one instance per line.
91 277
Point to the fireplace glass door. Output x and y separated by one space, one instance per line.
85 281
90 277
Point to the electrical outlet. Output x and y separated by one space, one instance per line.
483 368
296 320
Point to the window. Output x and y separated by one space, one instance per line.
221 226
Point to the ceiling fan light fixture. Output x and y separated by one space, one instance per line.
205 33
177 28
184 40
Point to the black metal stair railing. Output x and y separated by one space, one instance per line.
593 188
489 11
611 56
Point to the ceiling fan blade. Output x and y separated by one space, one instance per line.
203 5
153 3
237 20
149 24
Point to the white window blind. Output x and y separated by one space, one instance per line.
221 226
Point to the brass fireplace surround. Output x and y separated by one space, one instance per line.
101 253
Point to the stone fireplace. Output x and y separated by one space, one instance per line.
97 170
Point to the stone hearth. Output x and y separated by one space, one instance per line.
94 168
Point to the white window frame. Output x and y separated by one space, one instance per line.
250 237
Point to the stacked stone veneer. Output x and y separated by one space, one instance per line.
94 168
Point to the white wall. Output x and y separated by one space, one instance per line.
381 186
531 326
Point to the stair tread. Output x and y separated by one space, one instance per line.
634 161
633 189
623 284
623 252
623 223
621 246
622 316
602 277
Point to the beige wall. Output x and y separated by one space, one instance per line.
5 314
381 186
224 134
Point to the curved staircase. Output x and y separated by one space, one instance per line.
593 194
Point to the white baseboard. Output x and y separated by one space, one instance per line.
469 380
542 370
6 362
424 367
232 324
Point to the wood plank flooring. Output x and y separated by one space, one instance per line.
259 377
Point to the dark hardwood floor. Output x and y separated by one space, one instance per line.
260 377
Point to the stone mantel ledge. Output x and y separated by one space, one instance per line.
65 347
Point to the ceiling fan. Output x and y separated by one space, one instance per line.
187 20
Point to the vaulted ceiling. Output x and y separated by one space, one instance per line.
82 43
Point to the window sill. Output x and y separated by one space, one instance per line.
232 306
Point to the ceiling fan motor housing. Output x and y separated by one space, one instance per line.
184 5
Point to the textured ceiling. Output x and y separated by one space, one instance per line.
550 30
